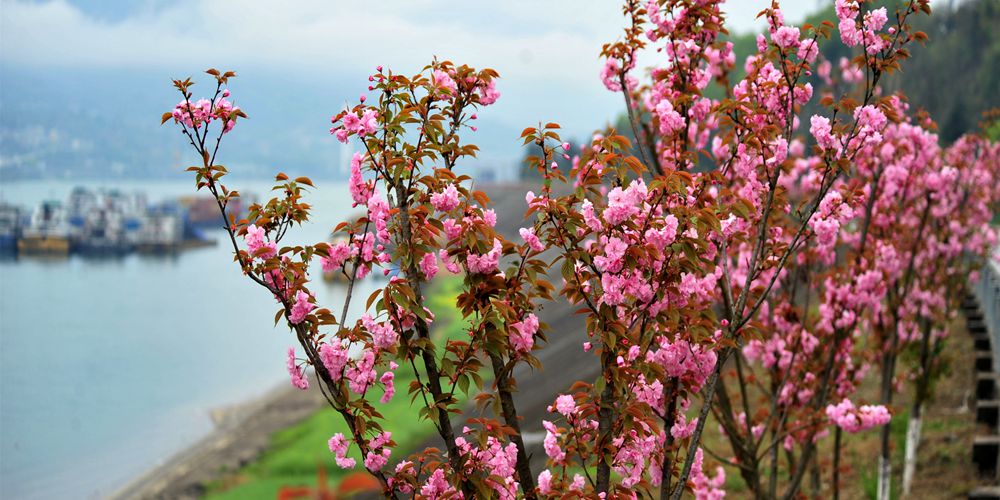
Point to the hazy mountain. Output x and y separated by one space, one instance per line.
72 123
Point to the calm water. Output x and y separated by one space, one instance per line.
108 367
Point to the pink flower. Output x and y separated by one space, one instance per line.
256 239
663 237
808 51
340 133
437 486
706 488
487 263
351 122
846 416
533 201
379 456
339 253
529 237
488 93
384 336
523 337
820 129
551 442
682 428
826 230
301 308
609 75
378 213
876 19
452 229
298 379
623 204
566 405
338 446
846 9
594 223
334 358
390 389
452 266
446 200
361 375
428 266
545 482
870 121
614 252
444 82
670 120
360 190
786 37
490 217
368 124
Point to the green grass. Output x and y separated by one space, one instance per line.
296 453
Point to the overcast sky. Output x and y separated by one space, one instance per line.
545 51
324 33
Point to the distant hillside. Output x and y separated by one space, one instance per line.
98 124
955 77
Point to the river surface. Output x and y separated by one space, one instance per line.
110 366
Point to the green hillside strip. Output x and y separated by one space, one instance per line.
296 453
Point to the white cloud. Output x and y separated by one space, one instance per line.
551 39
311 34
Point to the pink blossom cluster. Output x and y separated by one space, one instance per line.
446 200
706 488
856 419
487 263
531 239
339 254
522 335
258 244
298 378
338 446
204 111
360 190
379 452
437 487
496 460
866 33
352 123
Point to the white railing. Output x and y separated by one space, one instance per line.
987 292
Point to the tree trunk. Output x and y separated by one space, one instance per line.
605 423
912 443
524 474
885 458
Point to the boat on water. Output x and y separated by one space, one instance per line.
133 208
81 200
101 222
203 211
47 233
162 229
103 233
10 228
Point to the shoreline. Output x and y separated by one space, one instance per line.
242 433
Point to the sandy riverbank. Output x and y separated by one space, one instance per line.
242 433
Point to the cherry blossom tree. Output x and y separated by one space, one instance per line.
734 259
